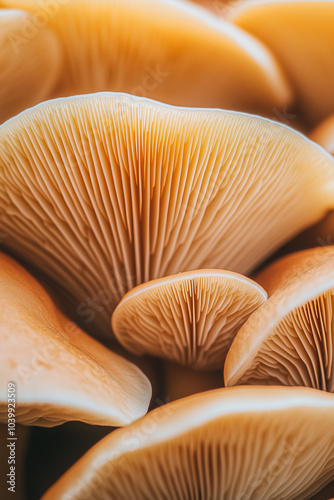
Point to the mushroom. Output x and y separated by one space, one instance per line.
30 62
61 373
289 339
257 443
189 318
163 49
301 35
107 191
323 134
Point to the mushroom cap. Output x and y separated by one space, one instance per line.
261 443
323 134
190 318
107 191
61 373
289 339
301 35
30 62
167 50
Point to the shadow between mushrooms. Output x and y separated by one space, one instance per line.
258 443
163 49
61 373
289 339
107 191
323 134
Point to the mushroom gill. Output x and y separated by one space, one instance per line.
258 443
301 35
190 318
107 191
30 62
167 50
289 340
61 373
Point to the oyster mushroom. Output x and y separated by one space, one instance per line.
30 62
107 191
258 443
301 35
289 339
163 49
189 319
323 134
61 373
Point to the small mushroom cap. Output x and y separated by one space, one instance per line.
60 372
30 62
258 443
167 50
107 191
289 339
190 318
323 134
301 35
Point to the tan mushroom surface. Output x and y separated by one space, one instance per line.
258 443
30 62
323 134
107 191
167 50
190 318
301 35
289 340
60 372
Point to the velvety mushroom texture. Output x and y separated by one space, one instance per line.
289 340
323 134
257 443
30 62
107 191
61 373
163 49
301 34
190 318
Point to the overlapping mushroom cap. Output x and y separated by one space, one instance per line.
323 134
257 443
301 34
289 339
163 49
30 62
107 191
60 372
190 318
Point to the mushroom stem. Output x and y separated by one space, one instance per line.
182 381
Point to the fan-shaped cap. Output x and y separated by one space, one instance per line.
323 134
163 49
289 339
190 318
60 372
107 191
301 35
30 62
258 443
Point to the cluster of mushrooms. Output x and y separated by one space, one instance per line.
167 247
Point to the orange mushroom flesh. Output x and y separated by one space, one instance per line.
189 318
260 442
323 134
301 35
289 340
30 62
107 191
163 49
61 373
